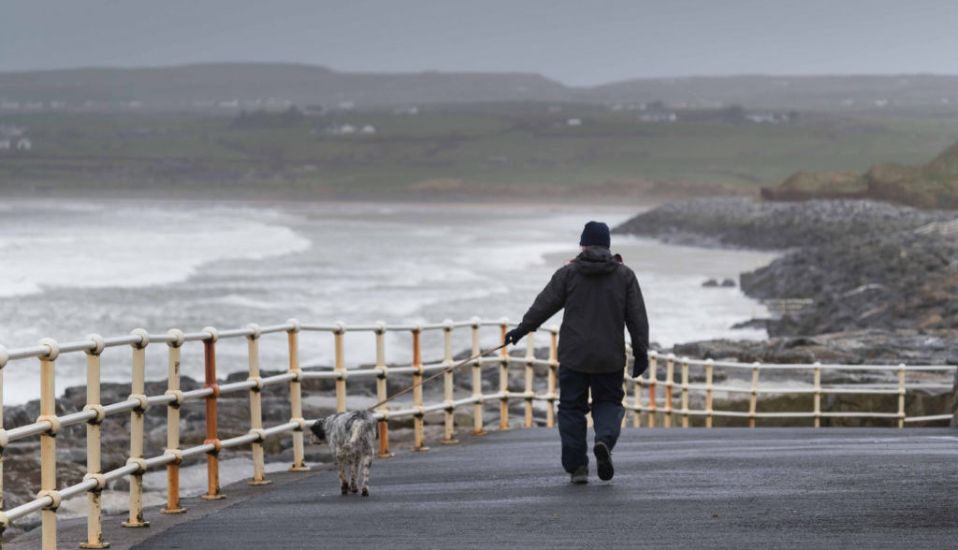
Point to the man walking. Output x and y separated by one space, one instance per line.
601 297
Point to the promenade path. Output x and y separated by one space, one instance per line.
694 488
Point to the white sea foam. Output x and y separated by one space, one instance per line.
147 248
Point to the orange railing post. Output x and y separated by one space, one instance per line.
175 344
212 457
669 375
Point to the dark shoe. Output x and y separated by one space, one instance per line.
603 461
580 475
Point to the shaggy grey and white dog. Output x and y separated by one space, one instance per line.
350 436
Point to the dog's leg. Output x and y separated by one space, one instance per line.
343 482
355 475
367 461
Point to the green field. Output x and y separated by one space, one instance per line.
466 151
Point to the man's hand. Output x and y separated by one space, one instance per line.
514 335
640 363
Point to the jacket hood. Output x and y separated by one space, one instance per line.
595 260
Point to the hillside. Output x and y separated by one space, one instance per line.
930 185
242 85
210 85
541 151
817 93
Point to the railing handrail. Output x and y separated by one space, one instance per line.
90 343
48 424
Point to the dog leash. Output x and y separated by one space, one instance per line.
436 375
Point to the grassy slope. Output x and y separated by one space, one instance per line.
524 150
931 184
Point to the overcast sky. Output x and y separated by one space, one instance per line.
577 42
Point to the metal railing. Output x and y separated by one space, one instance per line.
663 407
94 413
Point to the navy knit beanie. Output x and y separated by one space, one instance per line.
595 234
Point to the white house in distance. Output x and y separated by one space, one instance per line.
341 130
573 122
13 138
659 117
768 118
350 129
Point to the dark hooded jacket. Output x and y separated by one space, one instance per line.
601 297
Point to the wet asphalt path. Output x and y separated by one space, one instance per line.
722 488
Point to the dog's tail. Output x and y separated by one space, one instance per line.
356 434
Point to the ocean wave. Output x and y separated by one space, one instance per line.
132 249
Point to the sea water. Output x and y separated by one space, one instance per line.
68 269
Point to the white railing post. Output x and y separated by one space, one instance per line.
709 373
637 398
340 367
94 468
503 377
419 441
637 392
48 444
901 395
449 414
478 425
256 408
588 416
653 376
753 396
138 393
530 374
552 377
382 388
296 396
685 392
174 344
817 404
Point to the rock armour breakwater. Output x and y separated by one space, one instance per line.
859 264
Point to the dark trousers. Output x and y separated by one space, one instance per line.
607 412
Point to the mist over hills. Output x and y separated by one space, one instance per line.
248 85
